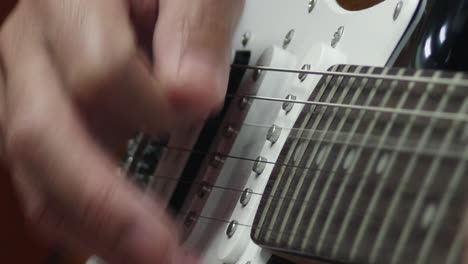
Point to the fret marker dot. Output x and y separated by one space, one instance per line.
382 163
349 159
428 216
321 155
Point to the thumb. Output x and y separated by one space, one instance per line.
192 51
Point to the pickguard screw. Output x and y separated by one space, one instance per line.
337 36
273 134
245 197
397 11
288 38
231 229
303 76
246 38
259 165
312 4
288 106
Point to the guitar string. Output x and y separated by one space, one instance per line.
317 136
421 113
213 186
441 81
278 161
448 82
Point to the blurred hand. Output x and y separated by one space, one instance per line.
78 79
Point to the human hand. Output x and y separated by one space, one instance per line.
75 84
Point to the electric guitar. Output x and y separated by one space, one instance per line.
343 138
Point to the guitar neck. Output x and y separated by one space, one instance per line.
368 175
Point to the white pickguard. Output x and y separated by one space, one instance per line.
370 36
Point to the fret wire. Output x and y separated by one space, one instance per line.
303 174
396 197
443 207
337 199
424 189
356 195
454 182
317 121
286 161
330 178
422 113
456 248
290 204
386 220
289 155
442 81
378 191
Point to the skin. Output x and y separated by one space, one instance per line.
77 79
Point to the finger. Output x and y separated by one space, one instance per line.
108 75
135 102
51 222
90 41
45 135
144 14
192 51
